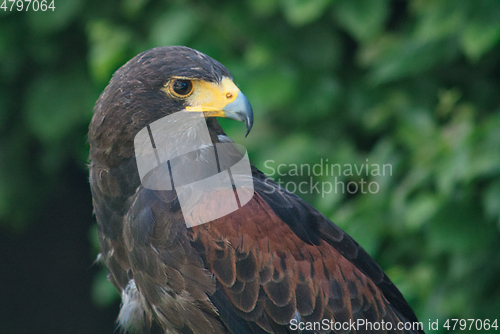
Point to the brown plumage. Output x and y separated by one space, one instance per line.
252 271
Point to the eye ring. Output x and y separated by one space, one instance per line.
181 87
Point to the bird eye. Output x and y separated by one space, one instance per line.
182 87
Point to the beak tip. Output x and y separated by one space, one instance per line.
249 119
241 110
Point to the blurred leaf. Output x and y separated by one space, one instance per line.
363 233
103 292
408 57
263 7
258 56
292 150
491 200
484 161
52 20
108 45
300 12
482 30
174 27
414 282
421 209
447 101
133 8
364 19
272 88
94 240
11 55
56 103
322 94
438 19
418 130
320 50
458 228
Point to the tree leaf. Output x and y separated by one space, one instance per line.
364 19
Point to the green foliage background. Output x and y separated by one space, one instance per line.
414 84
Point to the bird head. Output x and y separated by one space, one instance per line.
157 83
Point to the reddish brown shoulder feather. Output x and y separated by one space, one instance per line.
270 275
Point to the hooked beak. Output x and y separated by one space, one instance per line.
240 110
221 100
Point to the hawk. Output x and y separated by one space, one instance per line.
275 265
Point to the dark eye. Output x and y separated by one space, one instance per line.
182 87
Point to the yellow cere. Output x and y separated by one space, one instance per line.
211 98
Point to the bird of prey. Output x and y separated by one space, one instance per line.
275 265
